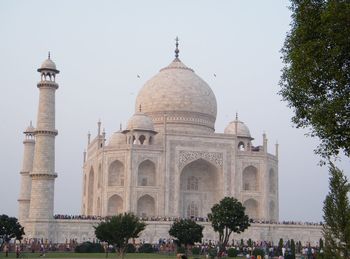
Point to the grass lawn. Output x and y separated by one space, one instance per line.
96 255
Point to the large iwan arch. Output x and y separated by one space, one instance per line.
250 179
116 174
146 175
199 188
146 206
115 205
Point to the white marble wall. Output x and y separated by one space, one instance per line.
58 231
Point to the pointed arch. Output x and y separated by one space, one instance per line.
115 205
116 174
99 206
84 185
99 176
146 206
90 192
199 188
146 175
192 209
252 209
272 181
272 210
250 179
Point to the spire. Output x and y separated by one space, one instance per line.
49 55
99 127
177 48
236 116
120 127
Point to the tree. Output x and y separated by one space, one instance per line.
118 230
315 80
336 209
10 228
280 246
226 217
187 232
292 249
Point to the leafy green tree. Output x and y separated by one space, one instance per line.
280 246
292 249
226 217
187 232
316 78
10 228
118 230
321 243
336 209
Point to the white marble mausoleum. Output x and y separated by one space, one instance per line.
167 162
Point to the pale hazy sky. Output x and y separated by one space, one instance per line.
101 46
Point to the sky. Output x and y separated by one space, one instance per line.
101 46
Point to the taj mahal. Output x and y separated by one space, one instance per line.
168 162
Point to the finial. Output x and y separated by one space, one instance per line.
177 47
120 127
140 108
236 116
30 124
49 55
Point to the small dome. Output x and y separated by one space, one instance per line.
30 129
117 138
48 64
140 121
242 129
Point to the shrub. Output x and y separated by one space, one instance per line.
88 247
130 248
213 252
232 252
146 248
196 250
258 251
181 250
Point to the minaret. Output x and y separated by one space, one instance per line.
43 174
27 166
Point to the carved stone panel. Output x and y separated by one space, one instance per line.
186 157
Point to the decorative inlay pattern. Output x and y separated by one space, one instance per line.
188 156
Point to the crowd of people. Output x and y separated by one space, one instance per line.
198 219
169 246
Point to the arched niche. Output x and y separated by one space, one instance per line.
98 206
251 208
272 210
99 176
272 181
241 146
84 185
199 187
116 174
192 209
146 175
146 206
115 205
90 192
250 179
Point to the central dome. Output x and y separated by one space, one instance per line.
181 96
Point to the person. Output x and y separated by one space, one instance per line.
42 250
6 250
17 251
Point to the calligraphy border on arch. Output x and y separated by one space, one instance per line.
186 157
